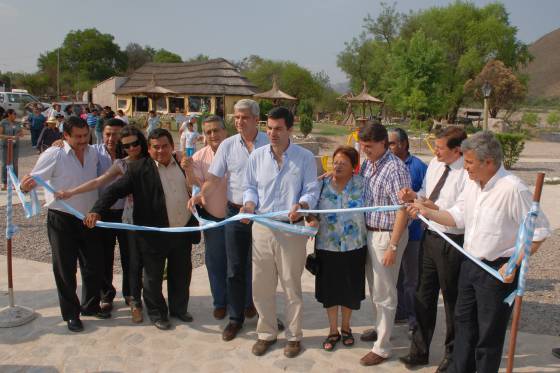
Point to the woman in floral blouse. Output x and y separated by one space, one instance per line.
341 246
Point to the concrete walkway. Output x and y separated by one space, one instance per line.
117 345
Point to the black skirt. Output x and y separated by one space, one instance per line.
341 279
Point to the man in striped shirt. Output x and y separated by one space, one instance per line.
385 175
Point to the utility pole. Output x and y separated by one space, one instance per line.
58 74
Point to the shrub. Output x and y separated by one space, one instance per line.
512 146
553 118
305 108
530 119
305 125
424 126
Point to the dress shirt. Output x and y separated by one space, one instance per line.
104 163
384 179
451 190
176 194
216 204
273 187
491 216
231 158
62 170
417 170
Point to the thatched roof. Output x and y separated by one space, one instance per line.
213 77
275 93
364 97
152 89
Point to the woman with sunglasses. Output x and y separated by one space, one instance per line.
133 144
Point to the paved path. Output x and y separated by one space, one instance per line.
117 345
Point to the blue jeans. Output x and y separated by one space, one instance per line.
407 283
216 261
239 240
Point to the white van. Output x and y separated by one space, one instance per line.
19 101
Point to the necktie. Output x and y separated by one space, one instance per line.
441 182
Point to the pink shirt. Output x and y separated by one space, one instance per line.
216 205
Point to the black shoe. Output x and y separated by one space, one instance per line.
369 335
280 324
444 364
162 324
75 325
98 315
414 360
556 352
185 317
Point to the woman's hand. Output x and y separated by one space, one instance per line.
63 194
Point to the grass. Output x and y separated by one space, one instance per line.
327 129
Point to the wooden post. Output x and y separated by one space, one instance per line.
9 162
519 299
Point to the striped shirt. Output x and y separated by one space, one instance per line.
383 180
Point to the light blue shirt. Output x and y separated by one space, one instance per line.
273 188
232 157
153 123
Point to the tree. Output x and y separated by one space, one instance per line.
138 55
198 58
387 24
165 56
507 90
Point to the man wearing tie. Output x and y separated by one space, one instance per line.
439 261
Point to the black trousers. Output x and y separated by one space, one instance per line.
440 264
110 237
71 242
134 270
176 248
481 319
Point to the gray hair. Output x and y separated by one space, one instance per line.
401 134
214 119
249 104
485 146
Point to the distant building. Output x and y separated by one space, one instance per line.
213 86
103 92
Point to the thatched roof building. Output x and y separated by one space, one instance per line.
212 86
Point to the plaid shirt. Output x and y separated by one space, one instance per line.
383 180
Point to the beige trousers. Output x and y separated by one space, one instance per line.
383 286
278 256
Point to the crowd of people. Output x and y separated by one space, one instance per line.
131 178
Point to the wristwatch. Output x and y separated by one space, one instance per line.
392 247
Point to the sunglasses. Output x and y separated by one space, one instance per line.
131 144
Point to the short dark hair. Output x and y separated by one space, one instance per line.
454 135
113 122
130 130
349 152
160 132
373 132
73 122
214 118
282 112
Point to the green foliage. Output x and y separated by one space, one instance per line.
198 58
529 118
138 55
553 118
305 108
264 107
419 125
305 125
512 147
165 56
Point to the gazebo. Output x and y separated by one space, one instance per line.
364 98
275 94
152 90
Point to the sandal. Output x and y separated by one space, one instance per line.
330 342
347 338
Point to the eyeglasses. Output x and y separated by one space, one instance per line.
131 144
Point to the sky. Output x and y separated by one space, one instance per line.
308 32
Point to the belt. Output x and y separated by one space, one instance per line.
374 229
450 235
234 205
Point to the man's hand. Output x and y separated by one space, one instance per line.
248 208
389 257
91 219
406 195
418 207
293 215
193 201
27 183
186 163
63 194
507 279
326 175
58 144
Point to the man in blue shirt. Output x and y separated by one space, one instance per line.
408 275
280 176
36 122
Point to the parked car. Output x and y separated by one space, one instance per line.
20 101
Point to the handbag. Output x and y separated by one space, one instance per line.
312 262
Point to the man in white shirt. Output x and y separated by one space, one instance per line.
65 168
491 207
439 261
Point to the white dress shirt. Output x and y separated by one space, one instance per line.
449 194
62 170
491 216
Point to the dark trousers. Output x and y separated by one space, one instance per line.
407 283
440 264
239 240
176 249
110 237
216 261
35 133
481 319
71 242
135 267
